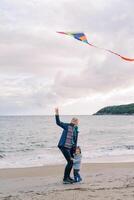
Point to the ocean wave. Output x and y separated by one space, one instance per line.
2 156
17 150
118 147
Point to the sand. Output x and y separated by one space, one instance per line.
100 182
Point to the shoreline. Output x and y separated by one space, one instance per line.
51 169
105 160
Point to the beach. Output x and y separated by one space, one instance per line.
31 165
110 181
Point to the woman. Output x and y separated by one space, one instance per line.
67 143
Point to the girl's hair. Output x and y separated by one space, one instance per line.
78 147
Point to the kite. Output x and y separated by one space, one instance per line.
82 37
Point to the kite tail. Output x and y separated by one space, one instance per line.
122 57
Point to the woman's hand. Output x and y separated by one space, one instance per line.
56 111
72 159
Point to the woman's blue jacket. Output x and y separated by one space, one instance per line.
65 131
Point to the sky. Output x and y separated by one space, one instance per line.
41 70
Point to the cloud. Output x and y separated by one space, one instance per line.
25 93
36 50
99 76
40 68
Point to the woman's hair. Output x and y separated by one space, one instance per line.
74 120
78 147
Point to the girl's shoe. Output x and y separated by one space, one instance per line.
77 180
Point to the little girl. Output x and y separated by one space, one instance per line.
76 164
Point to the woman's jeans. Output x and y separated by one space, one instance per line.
68 155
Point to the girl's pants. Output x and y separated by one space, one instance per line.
77 176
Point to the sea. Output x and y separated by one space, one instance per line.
27 141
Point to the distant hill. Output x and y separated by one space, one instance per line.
117 110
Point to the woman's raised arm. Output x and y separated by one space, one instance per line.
58 122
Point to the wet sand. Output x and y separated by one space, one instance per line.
106 181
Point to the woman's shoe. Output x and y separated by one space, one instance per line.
71 179
68 181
